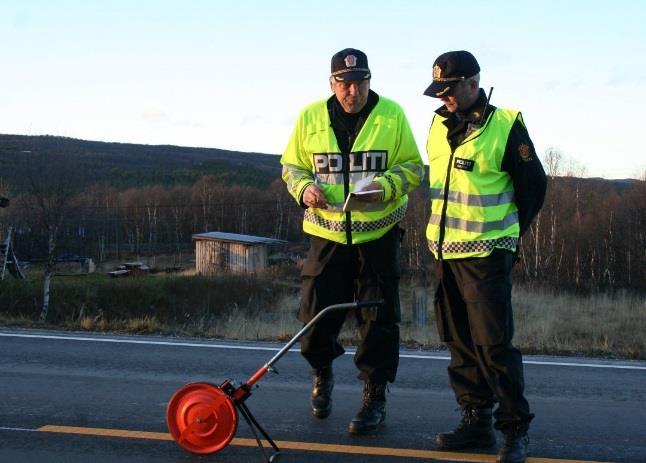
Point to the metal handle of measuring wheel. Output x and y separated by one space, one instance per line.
321 314
345 306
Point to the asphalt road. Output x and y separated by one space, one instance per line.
586 410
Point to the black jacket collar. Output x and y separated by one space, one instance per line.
336 110
460 125
347 126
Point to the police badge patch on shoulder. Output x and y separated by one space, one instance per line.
525 152
464 164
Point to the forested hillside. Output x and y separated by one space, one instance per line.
106 200
124 165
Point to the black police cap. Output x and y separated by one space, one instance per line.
449 69
350 64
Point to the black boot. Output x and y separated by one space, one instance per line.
322 385
474 430
514 446
373 409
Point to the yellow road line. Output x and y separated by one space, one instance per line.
307 446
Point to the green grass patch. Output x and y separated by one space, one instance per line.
170 300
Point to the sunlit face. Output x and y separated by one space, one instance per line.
352 94
461 96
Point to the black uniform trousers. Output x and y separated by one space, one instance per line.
334 273
475 320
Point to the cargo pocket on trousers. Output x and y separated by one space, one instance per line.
489 308
440 315
318 256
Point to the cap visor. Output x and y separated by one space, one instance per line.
361 75
439 89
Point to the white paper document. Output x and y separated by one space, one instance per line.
353 201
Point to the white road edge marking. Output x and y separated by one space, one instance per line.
4 428
274 349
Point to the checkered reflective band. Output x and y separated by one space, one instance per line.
332 225
465 247
390 219
393 186
358 227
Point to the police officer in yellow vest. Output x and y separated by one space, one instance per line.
353 141
487 184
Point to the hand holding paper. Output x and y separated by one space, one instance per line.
371 193
358 200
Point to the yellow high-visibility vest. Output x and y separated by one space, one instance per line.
472 199
384 151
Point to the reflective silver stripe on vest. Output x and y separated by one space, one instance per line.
339 226
356 177
464 247
337 179
476 227
473 199
330 179
399 170
295 175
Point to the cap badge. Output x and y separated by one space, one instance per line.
437 72
350 61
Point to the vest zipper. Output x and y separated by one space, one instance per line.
445 205
346 192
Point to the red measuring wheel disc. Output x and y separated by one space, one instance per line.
201 418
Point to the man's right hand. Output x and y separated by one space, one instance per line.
314 197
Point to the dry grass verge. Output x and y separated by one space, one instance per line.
599 324
264 308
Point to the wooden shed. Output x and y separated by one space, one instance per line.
217 252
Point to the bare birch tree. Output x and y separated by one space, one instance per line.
52 183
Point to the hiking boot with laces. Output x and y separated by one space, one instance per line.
514 446
474 430
322 385
373 409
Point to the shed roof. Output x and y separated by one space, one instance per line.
237 238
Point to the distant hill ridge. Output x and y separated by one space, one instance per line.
129 164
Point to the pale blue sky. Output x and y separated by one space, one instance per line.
234 75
